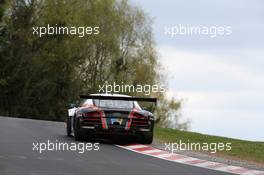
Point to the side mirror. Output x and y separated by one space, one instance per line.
72 105
149 108
145 108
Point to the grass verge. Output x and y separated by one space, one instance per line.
241 149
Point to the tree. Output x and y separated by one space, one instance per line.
41 75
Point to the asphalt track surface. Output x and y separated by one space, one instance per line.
18 158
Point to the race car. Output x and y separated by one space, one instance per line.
111 114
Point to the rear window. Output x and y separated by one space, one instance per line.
114 104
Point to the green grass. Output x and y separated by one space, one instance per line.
241 149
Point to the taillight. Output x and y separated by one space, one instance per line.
139 121
139 116
92 114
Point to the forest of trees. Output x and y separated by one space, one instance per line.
40 76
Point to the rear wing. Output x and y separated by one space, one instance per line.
102 97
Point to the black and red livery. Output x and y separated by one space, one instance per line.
111 114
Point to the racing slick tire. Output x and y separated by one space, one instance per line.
146 138
68 126
77 133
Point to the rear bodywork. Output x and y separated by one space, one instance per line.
94 119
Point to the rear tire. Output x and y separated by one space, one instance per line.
77 132
68 126
146 138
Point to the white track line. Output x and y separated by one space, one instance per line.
151 151
136 146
